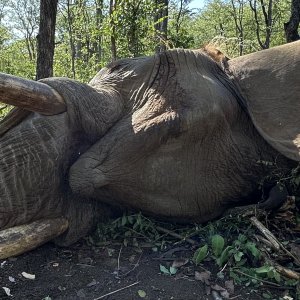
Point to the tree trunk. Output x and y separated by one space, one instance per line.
291 27
97 46
113 47
46 39
161 27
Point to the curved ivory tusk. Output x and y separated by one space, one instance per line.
20 239
30 95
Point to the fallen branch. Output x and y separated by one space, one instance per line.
276 245
263 240
176 235
287 272
282 270
258 279
116 291
267 233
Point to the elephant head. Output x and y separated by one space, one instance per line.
37 150
177 135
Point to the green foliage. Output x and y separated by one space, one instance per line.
130 230
231 26
227 243
14 60
181 20
217 244
170 271
200 254
238 252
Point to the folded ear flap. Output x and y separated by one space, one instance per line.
270 83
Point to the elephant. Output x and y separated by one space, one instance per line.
182 135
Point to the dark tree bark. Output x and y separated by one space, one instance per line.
291 27
268 20
46 39
161 27
97 45
113 46
70 20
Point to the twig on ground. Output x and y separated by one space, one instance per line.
85 265
224 266
272 239
176 235
266 232
119 256
168 255
263 240
116 291
258 279
287 272
134 267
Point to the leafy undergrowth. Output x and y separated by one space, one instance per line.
245 248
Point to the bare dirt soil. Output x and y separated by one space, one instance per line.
86 272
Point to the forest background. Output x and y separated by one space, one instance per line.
92 33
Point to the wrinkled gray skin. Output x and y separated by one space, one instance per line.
169 135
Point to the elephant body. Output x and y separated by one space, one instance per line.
174 135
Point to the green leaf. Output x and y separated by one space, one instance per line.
277 276
127 233
264 269
200 254
238 256
142 293
266 296
173 270
130 219
224 256
124 220
252 248
242 238
241 262
217 243
164 270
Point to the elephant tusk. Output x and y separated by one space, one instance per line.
30 95
20 239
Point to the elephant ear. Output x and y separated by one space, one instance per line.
269 81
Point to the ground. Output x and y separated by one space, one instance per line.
88 272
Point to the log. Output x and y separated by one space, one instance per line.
20 239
